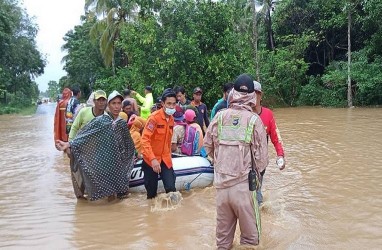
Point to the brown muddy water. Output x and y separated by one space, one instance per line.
328 197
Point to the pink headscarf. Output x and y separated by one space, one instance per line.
66 94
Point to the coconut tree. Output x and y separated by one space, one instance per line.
350 6
268 6
114 15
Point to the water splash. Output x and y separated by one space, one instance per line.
167 202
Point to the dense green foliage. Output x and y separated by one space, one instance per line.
53 89
297 49
20 61
83 63
301 48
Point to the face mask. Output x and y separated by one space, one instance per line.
169 111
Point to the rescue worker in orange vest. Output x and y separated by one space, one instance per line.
156 146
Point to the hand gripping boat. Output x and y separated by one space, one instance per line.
190 171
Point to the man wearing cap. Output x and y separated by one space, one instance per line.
234 136
156 146
88 113
147 101
201 116
102 153
269 122
157 105
114 104
84 116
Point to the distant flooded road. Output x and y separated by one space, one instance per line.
328 197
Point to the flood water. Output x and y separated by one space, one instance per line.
328 197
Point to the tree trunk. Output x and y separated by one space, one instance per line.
254 39
270 43
350 98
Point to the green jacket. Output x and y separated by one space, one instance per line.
147 103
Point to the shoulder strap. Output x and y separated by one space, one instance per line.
250 128
189 129
220 124
250 131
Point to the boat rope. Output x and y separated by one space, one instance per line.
187 185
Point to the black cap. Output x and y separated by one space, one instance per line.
169 92
149 88
244 83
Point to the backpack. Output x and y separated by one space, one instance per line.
190 144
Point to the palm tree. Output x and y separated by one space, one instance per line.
265 7
257 10
255 38
268 7
116 13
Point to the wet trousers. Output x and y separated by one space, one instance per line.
259 193
232 204
151 179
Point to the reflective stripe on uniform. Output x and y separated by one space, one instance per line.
235 132
257 212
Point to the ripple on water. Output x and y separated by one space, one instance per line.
328 197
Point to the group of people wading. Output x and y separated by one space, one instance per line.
106 137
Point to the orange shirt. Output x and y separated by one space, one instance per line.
156 138
135 131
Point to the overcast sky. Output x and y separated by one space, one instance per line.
54 18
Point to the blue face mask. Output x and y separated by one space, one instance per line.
169 111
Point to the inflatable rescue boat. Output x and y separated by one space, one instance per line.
190 171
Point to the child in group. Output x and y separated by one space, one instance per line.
194 137
136 125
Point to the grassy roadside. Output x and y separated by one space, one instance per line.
31 110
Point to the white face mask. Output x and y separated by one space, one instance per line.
169 111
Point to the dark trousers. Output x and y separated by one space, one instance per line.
151 179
